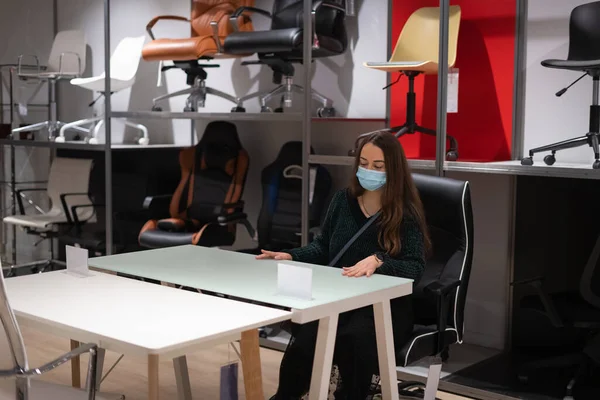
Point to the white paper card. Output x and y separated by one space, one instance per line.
294 281
77 261
452 105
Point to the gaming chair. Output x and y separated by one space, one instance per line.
213 176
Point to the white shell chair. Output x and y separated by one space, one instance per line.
17 380
123 68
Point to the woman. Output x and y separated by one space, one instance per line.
395 244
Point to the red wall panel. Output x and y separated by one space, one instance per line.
485 59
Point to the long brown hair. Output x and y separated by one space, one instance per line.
399 195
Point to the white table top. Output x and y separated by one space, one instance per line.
130 316
241 275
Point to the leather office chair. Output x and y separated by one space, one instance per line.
282 46
577 310
583 56
68 186
210 25
416 53
439 296
20 381
213 176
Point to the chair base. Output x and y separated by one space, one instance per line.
92 131
590 139
38 266
53 128
197 97
286 91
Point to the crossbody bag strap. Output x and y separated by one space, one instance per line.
356 235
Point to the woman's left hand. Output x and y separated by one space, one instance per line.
364 267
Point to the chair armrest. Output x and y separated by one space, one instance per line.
60 63
20 199
76 220
441 292
20 63
84 348
63 202
158 205
238 217
547 303
154 20
233 18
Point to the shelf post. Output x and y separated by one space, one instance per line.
107 130
306 121
442 95
519 80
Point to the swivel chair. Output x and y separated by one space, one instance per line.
282 46
213 176
209 25
123 66
583 56
416 53
20 381
440 294
68 186
576 310
66 61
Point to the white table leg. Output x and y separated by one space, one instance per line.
182 377
385 350
153 377
319 382
75 367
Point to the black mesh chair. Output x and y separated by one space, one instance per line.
573 311
584 56
282 46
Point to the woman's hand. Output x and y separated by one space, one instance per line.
364 267
273 255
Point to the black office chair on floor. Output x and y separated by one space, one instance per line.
282 46
440 295
584 56
577 310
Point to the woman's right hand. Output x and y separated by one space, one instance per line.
273 255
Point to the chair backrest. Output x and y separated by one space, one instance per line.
589 284
279 220
213 173
419 39
125 60
584 32
447 204
70 46
206 11
70 175
13 356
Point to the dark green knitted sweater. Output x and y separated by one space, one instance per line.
344 218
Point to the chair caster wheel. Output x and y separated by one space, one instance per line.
156 108
326 112
238 109
93 141
188 109
452 155
596 164
143 141
527 161
278 110
266 109
549 159
59 139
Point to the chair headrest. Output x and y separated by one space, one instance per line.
219 143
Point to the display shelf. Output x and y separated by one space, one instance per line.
514 167
348 161
77 145
229 116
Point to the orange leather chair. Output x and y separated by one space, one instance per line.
210 24
207 201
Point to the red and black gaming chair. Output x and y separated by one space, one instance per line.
213 176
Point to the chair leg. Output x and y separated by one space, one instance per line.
144 140
76 125
170 95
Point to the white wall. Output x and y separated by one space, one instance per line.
548 118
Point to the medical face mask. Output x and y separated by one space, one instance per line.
370 179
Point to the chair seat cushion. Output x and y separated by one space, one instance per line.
422 344
572 64
569 305
157 238
179 49
41 390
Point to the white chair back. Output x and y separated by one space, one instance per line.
125 60
13 356
68 53
70 175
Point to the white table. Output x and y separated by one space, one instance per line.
242 276
136 318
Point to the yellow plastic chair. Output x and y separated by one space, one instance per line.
416 53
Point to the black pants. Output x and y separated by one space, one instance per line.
355 353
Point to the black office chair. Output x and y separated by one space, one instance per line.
576 310
282 46
584 55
